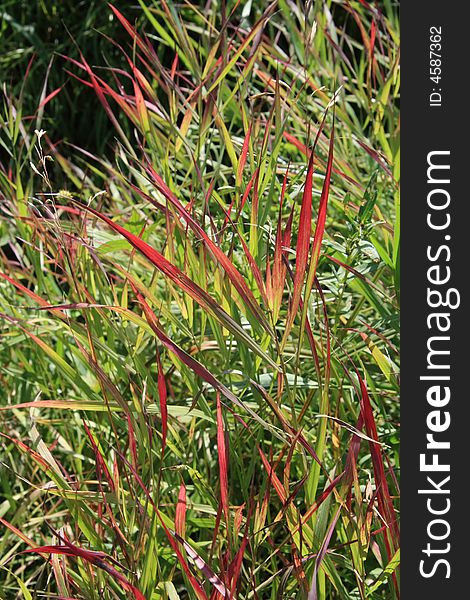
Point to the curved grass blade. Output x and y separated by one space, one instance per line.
184 283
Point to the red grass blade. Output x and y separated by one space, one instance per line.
200 593
101 465
36 457
376 156
234 275
180 516
132 442
279 267
242 202
19 534
99 92
303 238
49 97
29 293
321 220
320 499
277 484
128 27
189 361
182 281
306 152
243 156
384 498
355 273
312 595
255 270
223 462
98 559
234 569
162 397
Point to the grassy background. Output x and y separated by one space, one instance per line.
199 291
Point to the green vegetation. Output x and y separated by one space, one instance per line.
199 292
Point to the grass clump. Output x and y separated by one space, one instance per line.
199 324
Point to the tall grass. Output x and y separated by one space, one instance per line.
199 323
33 35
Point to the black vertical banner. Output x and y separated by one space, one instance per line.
435 397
